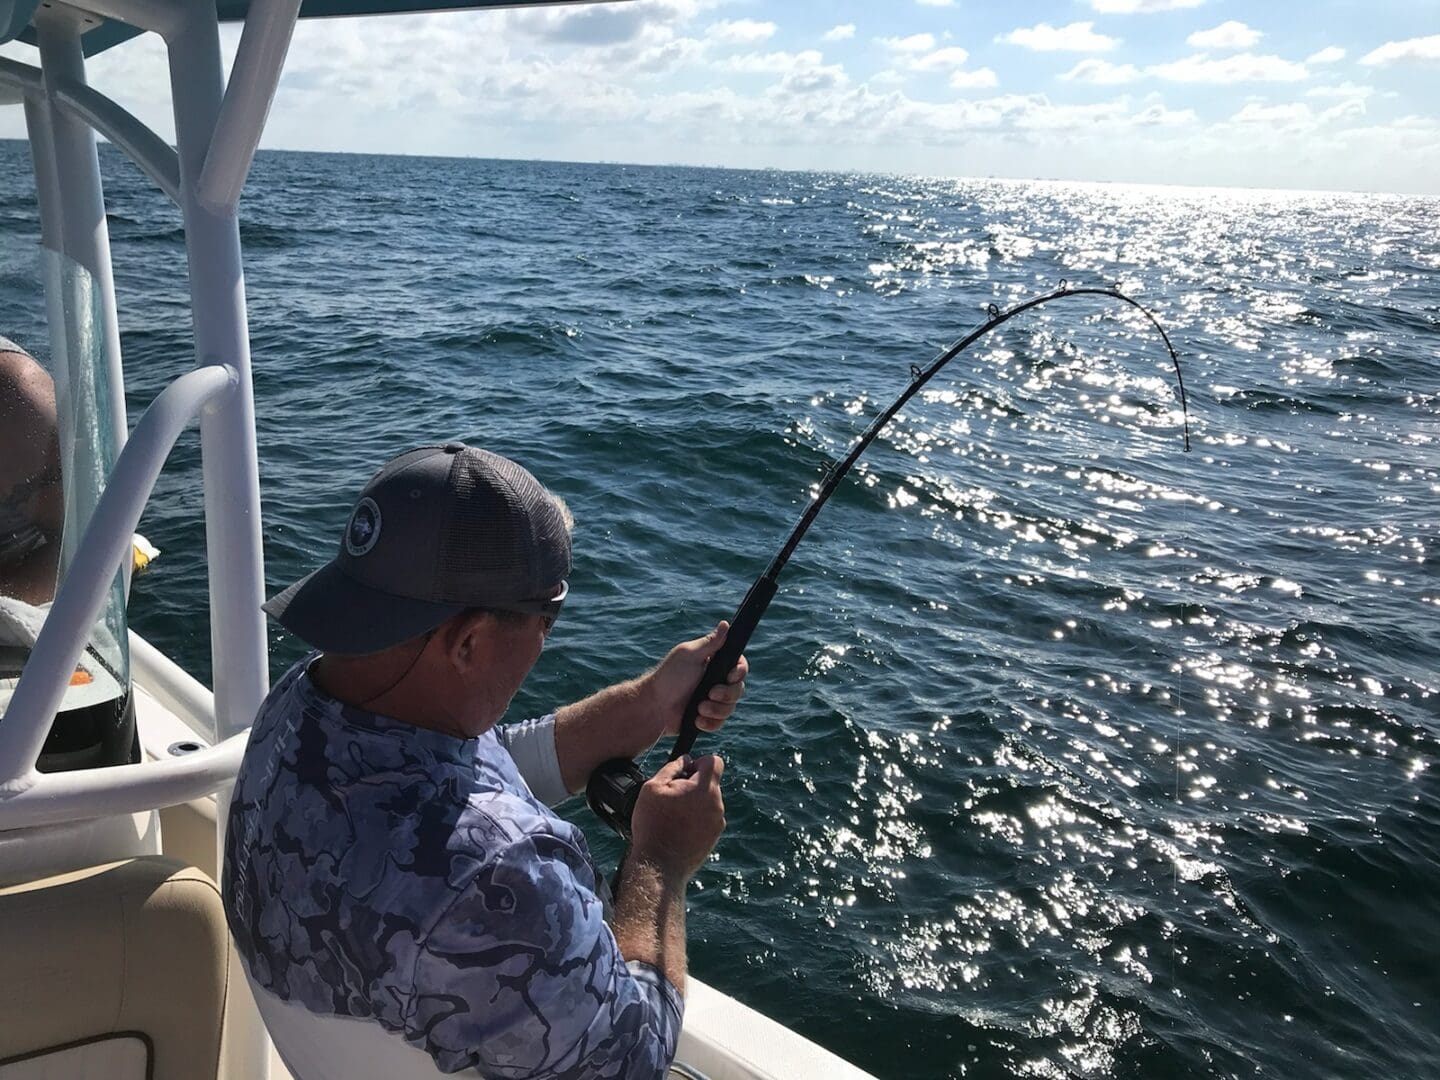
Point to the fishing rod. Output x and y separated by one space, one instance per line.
615 784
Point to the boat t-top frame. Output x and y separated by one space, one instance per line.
218 126
217 131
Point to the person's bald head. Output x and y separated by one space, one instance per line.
32 504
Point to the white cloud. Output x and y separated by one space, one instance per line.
952 57
1329 55
915 43
1228 35
1297 115
138 74
662 57
1048 117
1140 7
1022 113
642 38
1343 90
1160 116
721 105
982 78
849 115
810 80
1351 108
522 86
1102 72
779 63
1242 67
600 25
740 31
1420 48
1274 115
843 32
888 77
1076 37
339 72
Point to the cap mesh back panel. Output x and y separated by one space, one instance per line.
485 552
505 538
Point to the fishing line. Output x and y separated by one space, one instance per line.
615 785
1179 748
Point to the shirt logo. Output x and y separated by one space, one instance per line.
364 528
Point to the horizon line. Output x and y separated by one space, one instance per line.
612 163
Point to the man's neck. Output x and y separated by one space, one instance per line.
385 686
375 685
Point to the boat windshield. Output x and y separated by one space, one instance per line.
62 434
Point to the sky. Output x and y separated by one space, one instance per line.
1311 94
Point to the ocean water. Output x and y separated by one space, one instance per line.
1067 753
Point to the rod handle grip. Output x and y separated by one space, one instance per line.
747 617
615 784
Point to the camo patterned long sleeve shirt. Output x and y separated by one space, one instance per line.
378 870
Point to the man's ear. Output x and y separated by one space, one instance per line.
467 639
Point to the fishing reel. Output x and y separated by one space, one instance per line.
611 793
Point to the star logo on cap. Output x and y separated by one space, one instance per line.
364 528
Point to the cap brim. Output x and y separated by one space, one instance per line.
335 613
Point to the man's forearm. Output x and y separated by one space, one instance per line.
619 721
649 922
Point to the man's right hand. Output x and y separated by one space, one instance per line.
679 815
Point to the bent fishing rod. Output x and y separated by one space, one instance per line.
615 784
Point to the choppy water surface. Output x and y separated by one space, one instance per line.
1068 754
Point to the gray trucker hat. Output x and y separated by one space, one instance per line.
438 530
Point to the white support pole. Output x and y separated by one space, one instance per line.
83 593
57 798
25 79
231 469
144 147
84 236
269 25
233 539
47 187
39 123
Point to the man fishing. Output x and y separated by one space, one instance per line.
391 855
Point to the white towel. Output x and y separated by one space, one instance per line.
20 622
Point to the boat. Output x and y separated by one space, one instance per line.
115 763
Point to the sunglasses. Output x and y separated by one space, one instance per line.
548 609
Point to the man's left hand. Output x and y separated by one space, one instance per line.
675 679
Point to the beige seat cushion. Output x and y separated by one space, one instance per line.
136 947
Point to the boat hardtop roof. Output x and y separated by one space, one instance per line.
16 16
